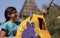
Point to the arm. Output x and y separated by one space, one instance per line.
57 6
3 31
49 6
46 11
3 34
44 24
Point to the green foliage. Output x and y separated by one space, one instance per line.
53 24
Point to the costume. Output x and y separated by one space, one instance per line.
39 28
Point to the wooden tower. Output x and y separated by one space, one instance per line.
28 4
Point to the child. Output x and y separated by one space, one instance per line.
9 27
46 11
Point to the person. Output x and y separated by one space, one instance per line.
9 27
33 27
46 11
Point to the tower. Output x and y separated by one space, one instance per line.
28 4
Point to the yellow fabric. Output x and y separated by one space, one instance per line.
41 33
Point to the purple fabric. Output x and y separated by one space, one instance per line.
29 32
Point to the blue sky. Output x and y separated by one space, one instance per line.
18 5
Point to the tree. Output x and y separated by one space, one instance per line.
53 24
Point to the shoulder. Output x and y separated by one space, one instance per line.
4 26
5 23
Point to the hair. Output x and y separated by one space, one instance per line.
9 11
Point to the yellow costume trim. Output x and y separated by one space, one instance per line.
41 33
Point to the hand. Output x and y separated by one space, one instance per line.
44 11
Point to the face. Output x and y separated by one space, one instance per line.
13 15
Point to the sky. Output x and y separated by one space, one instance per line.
18 4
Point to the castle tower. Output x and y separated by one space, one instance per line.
28 4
